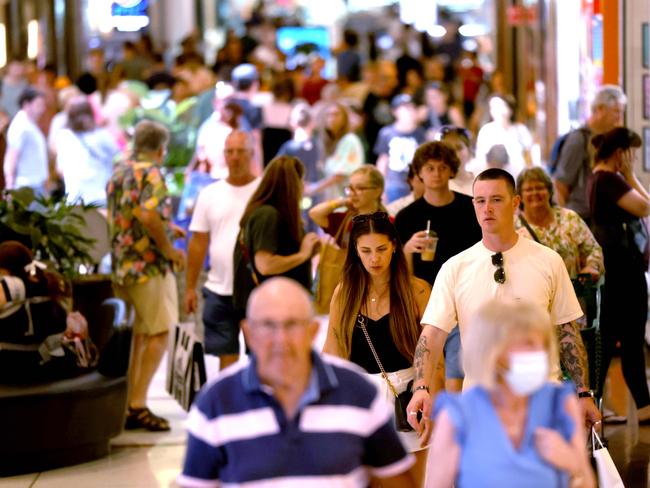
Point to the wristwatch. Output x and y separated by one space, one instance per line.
586 394
421 387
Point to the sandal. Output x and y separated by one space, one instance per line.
143 418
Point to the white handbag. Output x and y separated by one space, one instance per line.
608 476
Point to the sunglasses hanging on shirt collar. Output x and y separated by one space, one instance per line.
500 273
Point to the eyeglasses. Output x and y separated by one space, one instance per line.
500 273
272 327
362 219
356 189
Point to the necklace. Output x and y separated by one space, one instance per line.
379 295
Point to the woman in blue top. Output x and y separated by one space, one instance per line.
514 428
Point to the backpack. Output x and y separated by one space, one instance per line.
556 150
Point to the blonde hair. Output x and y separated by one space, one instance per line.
374 175
496 325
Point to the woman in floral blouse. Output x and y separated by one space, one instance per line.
559 228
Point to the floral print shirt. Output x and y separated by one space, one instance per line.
570 237
135 256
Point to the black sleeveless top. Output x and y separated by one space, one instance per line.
379 333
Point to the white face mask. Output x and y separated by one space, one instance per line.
528 372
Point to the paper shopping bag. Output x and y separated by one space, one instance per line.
608 476
186 365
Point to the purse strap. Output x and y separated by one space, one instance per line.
362 323
530 230
247 257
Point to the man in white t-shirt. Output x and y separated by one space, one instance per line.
26 160
501 265
215 224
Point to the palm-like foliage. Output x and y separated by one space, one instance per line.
52 228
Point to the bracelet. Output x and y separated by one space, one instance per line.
586 394
421 387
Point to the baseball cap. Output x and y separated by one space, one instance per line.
402 99
243 72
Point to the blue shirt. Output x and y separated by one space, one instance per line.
488 457
239 433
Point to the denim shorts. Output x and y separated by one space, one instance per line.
452 350
221 324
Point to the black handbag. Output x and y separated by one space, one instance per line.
402 399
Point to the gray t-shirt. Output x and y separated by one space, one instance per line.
574 170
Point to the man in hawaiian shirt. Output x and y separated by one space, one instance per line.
143 261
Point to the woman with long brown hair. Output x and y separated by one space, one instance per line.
376 310
272 240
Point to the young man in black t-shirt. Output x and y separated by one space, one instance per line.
451 216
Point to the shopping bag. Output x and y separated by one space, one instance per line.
608 476
186 366
330 270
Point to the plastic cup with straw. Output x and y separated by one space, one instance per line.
430 245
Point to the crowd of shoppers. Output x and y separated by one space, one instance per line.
316 162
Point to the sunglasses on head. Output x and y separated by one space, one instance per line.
361 219
500 273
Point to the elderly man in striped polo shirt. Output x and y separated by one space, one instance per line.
291 417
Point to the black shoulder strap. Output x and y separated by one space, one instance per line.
530 230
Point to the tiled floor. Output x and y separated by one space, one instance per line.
153 460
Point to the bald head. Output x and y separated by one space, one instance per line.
238 153
287 292
239 138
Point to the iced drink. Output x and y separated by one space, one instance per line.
429 251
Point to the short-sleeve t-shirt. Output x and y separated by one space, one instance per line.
534 273
400 146
218 211
135 255
606 189
487 456
574 169
265 230
455 224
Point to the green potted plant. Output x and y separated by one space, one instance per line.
53 229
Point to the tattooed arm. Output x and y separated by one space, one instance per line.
427 355
573 357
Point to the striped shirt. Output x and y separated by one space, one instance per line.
343 432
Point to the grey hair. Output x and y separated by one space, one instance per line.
609 95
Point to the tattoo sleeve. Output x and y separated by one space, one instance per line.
421 358
573 354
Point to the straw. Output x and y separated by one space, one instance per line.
428 226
